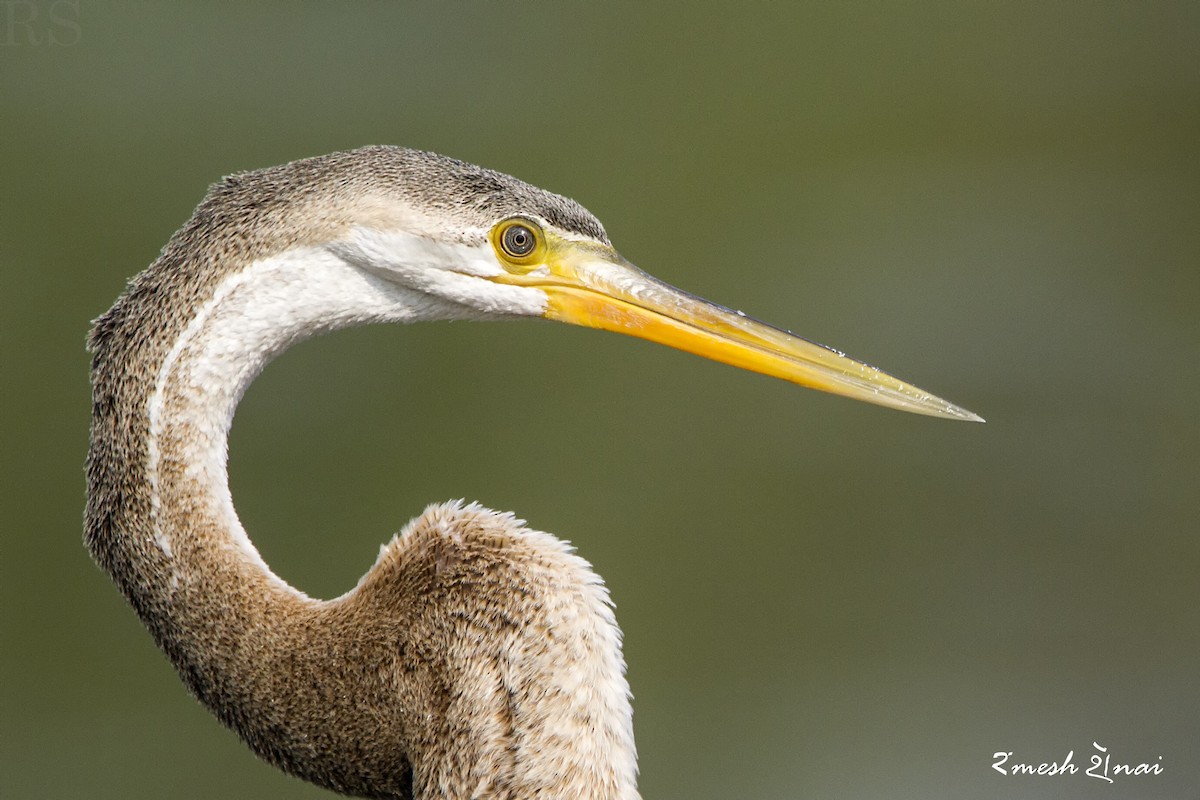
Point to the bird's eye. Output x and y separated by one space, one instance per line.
519 243
518 240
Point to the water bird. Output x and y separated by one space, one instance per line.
477 658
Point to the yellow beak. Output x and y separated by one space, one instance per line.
594 287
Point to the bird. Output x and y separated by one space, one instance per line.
478 657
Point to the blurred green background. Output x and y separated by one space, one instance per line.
999 202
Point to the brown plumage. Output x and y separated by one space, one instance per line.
447 671
477 658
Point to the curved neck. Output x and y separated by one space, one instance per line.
251 317
172 360
344 693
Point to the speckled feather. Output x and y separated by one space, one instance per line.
477 658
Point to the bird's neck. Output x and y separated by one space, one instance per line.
310 685
171 360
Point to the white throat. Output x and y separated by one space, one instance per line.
253 316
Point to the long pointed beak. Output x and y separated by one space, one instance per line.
598 289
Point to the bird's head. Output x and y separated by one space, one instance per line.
495 246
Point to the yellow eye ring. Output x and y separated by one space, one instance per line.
519 243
